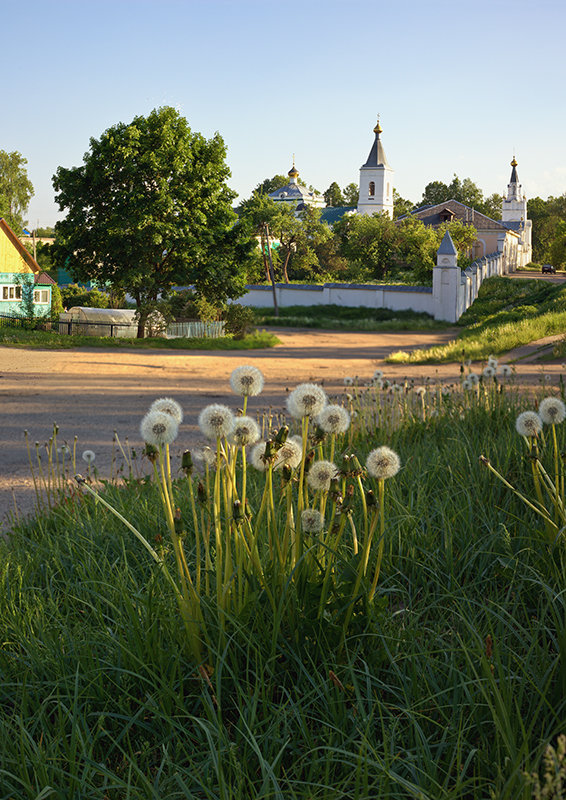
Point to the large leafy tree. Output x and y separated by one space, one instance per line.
16 189
465 191
150 209
333 196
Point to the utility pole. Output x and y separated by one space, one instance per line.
271 272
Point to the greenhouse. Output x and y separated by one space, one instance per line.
119 322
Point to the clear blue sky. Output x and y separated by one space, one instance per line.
459 86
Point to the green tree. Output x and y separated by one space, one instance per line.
546 216
150 209
16 189
271 184
333 196
368 242
401 207
558 245
351 194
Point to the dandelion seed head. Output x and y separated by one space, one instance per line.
474 378
333 419
378 374
246 380
168 406
320 474
216 421
488 372
378 383
420 390
383 463
158 429
256 457
504 370
290 453
492 361
207 455
547 378
88 456
245 432
312 520
528 423
467 385
552 410
397 388
307 400
348 381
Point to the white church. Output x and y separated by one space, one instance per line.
511 235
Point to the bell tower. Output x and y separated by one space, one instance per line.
376 180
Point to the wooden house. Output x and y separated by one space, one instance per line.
21 274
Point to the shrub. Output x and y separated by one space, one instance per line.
239 320
75 295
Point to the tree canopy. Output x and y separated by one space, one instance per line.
150 209
466 192
16 189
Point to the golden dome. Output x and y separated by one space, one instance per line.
514 162
378 128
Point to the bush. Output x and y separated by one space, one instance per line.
75 295
239 320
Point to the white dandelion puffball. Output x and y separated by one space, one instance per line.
467 385
420 390
88 456
528 423
158 429
246 381
320 474
307 400
245 432
378 374
312 520
333 419
383 463
492 362
256 457
552 411
290 454
348 381
504 370
168 406
397 388
216 421
488 372
378 383
474 378
207 455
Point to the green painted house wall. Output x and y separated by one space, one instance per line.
20 273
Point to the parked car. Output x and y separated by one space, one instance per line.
548 268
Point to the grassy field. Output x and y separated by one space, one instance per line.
507 314
448 684
50 340
333 317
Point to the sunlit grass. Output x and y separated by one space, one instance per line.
449 686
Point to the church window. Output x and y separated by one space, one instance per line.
371 189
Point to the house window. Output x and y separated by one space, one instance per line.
371 189
41 295
11 292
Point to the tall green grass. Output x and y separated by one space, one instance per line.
450 689
507 314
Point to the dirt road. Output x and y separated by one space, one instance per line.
91 393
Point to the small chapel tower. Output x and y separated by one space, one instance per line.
376 181
515 204
514 216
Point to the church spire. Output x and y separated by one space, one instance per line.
377 157
514 176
